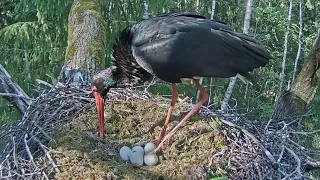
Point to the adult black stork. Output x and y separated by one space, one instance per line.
174 47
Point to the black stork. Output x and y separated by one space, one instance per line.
174 47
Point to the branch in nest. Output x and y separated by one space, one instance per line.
312 164
305 133
297 159
44 148
44 83
28 149
14 95
21 101
268 153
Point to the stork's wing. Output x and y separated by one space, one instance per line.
164 26
183 46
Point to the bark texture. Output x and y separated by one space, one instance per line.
86 42
295 101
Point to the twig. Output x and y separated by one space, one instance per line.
281 153
45 175
295 156
44 83
44 148
304 133
181 101
43 132
270 120
28 149
14 152
313 163
268 153
14 95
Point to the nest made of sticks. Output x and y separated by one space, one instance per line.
216 144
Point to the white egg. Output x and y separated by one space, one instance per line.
124 152
138 149
136 158
142 143
149 147
150 159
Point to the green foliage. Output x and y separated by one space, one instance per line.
32 42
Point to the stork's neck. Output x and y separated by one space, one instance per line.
110 82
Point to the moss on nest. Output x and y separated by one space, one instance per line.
82 154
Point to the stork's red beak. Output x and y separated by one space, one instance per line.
100 109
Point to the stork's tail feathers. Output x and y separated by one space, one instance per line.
247 78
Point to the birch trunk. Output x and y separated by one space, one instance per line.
145 9
85 53
246 26
213 8
299 53
201 79
197 6
186 5
282 75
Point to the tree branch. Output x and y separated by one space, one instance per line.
12 92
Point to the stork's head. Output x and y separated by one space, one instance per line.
103 81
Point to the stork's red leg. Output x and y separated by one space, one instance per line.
174 98
204 98
100 110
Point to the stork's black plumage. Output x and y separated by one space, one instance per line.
177 46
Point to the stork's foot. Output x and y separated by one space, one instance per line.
158 141
161 142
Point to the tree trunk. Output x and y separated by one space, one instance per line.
201 79
295 101
197 6
246 26
145 9
213 8
85 53
12 92
282 75
299 53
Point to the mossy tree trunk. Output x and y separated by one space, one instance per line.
85 53
294 102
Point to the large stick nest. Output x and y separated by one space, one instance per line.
57 139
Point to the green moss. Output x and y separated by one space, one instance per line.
79 20
97 50
70 51
93 5
98 47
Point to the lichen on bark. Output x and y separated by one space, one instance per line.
86 50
